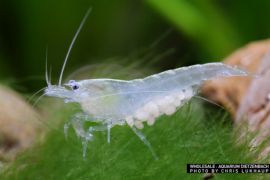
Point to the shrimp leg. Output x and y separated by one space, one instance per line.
93 129
103 127
145 141
75 122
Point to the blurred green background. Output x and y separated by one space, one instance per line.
197 31
157 34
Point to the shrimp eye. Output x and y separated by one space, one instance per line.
74 87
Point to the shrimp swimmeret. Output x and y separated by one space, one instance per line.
112 102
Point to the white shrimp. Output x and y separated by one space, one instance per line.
112 102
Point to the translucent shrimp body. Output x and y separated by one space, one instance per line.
116 102
136 101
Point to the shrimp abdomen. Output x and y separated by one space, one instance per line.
192 75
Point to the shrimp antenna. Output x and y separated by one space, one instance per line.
72 43
46 70
50 75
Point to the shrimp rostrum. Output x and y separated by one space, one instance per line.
111 102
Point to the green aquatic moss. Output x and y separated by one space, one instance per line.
192 135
